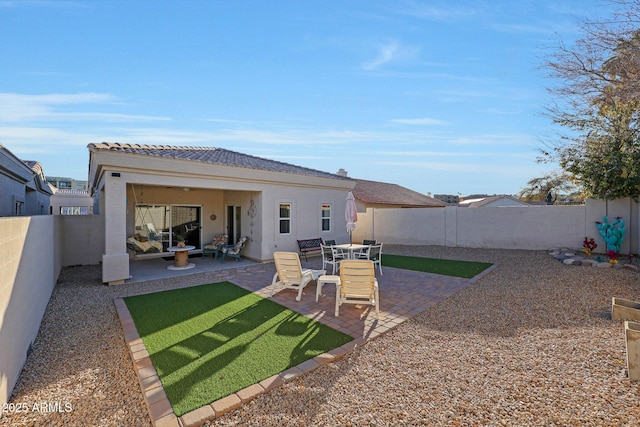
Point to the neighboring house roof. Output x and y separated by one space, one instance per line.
70 193
494 201
219 156
374 192
13 167
33 165
39 179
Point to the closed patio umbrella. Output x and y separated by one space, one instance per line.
351 215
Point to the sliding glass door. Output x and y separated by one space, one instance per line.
185 222
162 224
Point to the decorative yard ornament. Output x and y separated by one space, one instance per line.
251 213
612 234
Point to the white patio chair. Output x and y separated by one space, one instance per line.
289 273
332 256
358 284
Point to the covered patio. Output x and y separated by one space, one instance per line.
142 270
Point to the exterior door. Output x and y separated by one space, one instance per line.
234 217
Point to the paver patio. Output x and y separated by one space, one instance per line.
403 294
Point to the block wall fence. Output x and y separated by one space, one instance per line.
531 227
33 251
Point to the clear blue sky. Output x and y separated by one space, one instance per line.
437 96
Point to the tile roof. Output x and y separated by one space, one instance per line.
36 167
392 194
219 156
481 201
70 192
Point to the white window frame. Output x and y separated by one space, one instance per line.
325 218
281 218
75 210
19 207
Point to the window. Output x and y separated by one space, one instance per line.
75 210
285 218
326 217
19 207
164 223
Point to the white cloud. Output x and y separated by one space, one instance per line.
440 14
425 121
16 107
385 55
475 154
390 52
509 139
514 170
105 117
10 4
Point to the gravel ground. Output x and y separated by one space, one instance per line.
530 344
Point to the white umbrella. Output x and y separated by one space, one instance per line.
351 215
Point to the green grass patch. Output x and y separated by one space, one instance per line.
209 341
465 269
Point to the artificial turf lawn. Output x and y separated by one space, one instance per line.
465 269
207 342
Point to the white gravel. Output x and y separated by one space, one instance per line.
530 344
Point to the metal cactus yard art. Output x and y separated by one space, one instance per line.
612 233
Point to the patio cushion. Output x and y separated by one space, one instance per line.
235 250
144 246
219 239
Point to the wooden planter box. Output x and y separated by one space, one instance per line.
632 340
624 309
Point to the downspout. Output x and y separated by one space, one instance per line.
373 223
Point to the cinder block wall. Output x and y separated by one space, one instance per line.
531 228
30 263
33 251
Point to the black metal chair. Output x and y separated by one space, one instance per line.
364 253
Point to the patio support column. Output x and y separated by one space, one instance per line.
115 260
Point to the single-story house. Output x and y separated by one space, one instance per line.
153 193
71 202
492 202
375 194
23 187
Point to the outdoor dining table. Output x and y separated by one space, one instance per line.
350 248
